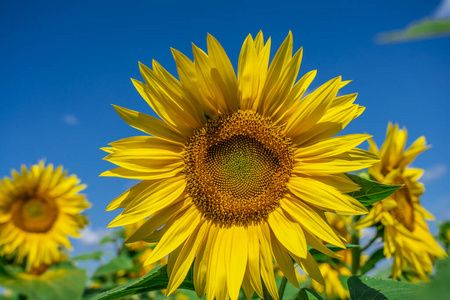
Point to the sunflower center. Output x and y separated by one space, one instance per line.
34 214
404 212
237 168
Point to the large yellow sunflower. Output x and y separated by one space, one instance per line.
39 209
406 234
238 171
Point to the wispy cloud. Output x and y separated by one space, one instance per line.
70 119
443 10
434 173
92 236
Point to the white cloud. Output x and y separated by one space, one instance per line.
92 236
436 172
70 120
443 10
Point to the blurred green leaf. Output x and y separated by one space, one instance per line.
121 262
343 279
96 255
107 239
61 282
157 279
371 191
371 288
419 30
439 286
308 294
374 258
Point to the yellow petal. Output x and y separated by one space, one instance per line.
178 232
125 173
284 261
288 233
149 124
330 147
266 270
156 196
185 258
236 260
349 161
324 196
311 219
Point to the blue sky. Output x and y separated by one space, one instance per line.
62 65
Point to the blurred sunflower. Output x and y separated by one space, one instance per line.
39 209
238 169
406 234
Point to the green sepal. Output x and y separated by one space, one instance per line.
371 191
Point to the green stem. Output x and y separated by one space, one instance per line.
356 252
282 287
266 294
370 243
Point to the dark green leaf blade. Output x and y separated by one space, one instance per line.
371 288
371 191
157 279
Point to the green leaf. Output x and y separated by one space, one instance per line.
374 258
419 30
343 279
371 191
107 239
121 262
55 284
371 288
438 287
156 279
96 255
308 294
113 237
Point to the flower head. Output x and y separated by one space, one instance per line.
406 234
240 168
39 209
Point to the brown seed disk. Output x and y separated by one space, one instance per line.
34 214
237 167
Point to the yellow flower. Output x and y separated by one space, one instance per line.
39 209
238 169
406 234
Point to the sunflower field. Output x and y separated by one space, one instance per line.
244 182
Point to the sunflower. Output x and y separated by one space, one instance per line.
39 209
238 171
406 235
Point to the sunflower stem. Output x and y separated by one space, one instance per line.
266 294
282 287
370 242
356 252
